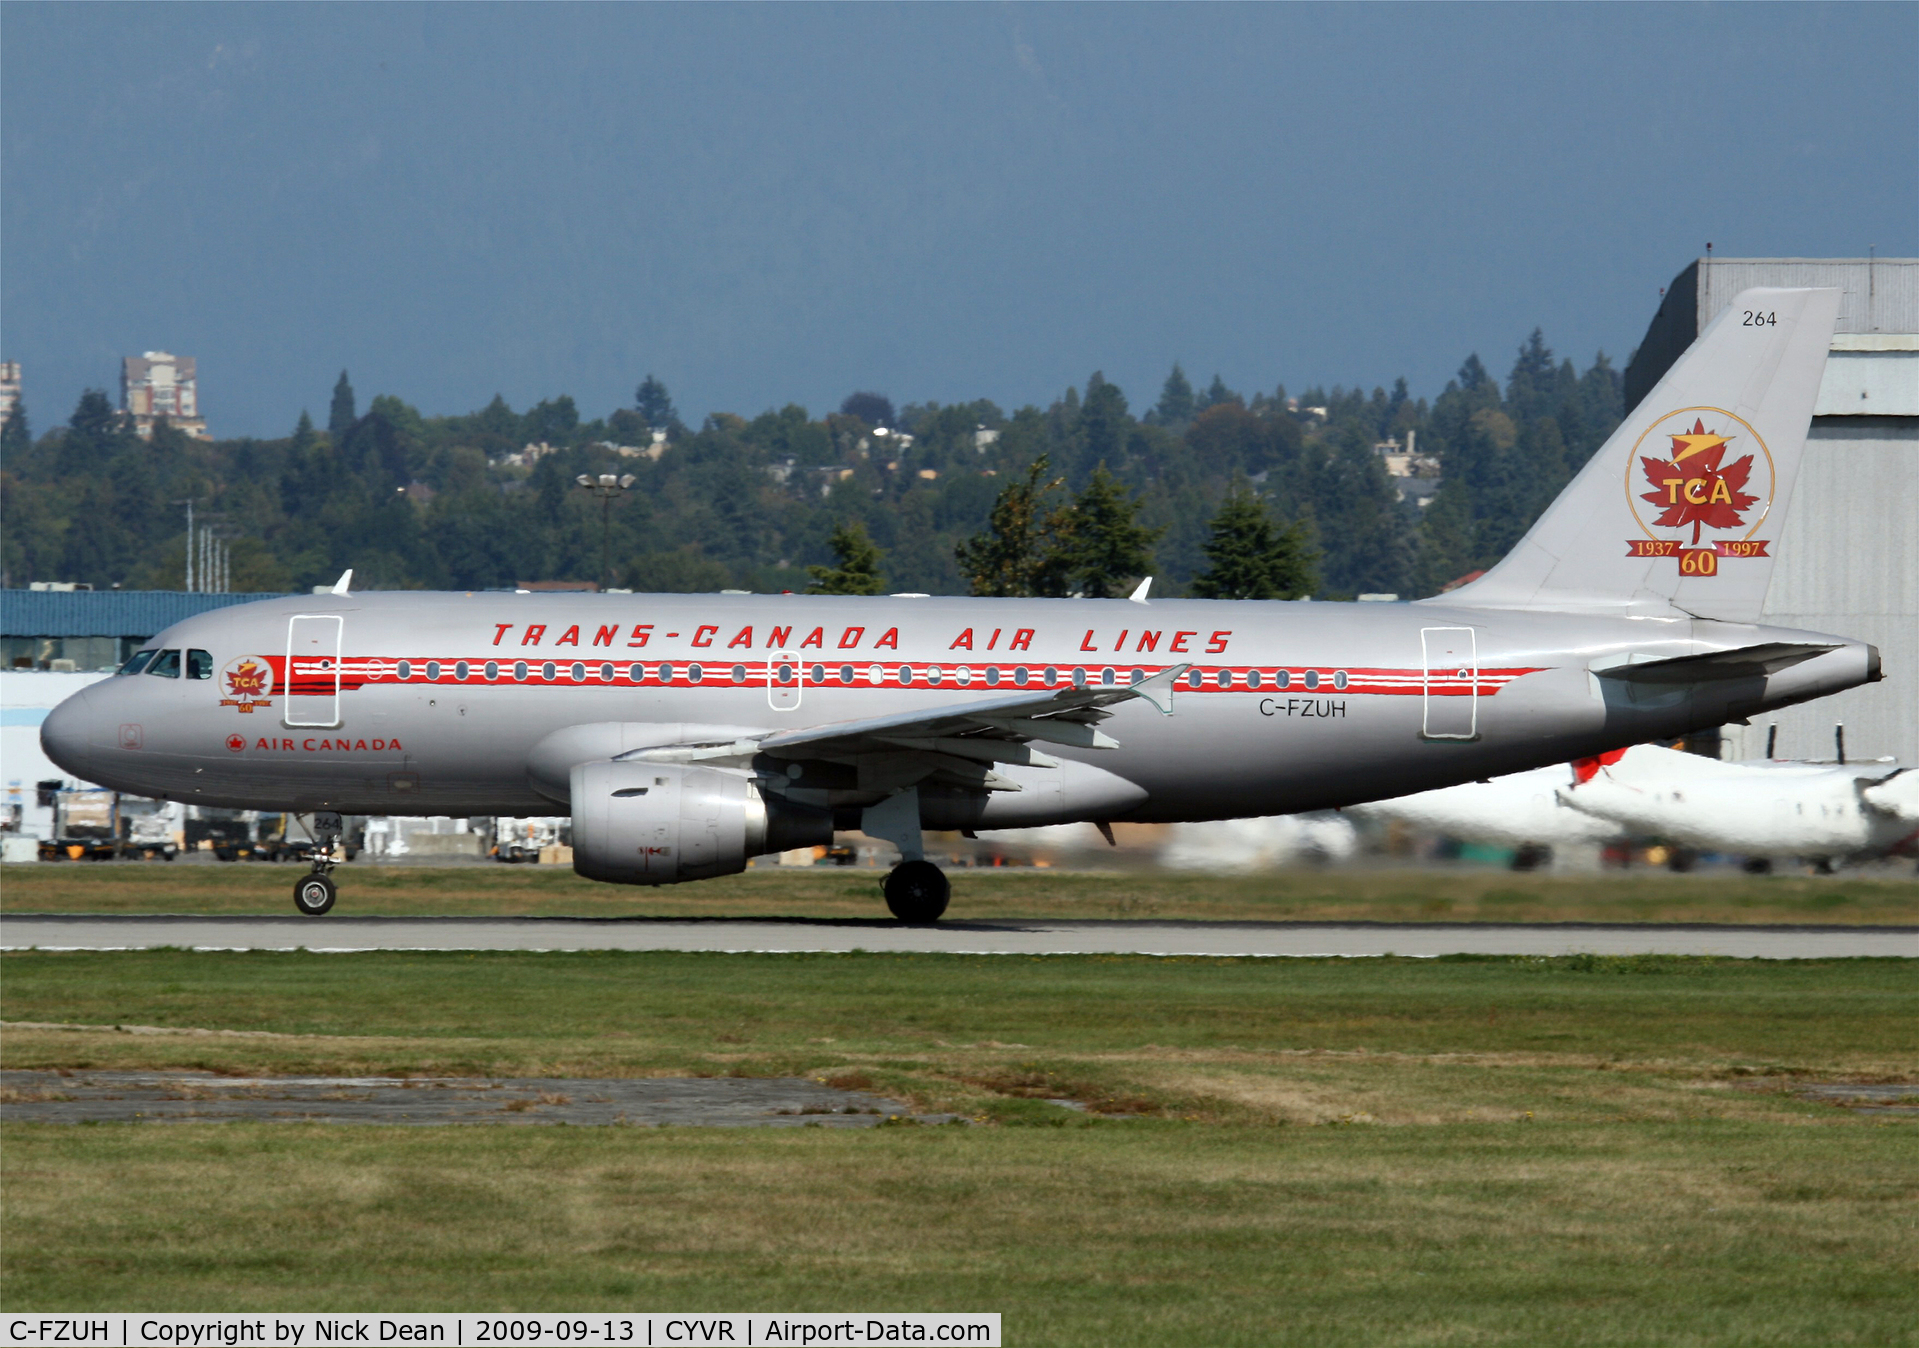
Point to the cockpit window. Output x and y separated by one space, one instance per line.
199 665
138 662
166 664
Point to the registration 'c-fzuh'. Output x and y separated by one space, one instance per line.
688 733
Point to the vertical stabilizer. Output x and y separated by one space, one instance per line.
1681 508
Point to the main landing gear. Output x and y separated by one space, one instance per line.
315 893
917 892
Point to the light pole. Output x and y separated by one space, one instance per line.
606 486
188 503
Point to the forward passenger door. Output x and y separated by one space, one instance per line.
313 669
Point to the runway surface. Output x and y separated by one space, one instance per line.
770 935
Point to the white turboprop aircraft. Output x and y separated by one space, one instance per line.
1828 813
1760 810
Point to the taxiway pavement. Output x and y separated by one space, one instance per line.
1039 937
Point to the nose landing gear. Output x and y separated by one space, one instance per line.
917 892
315 893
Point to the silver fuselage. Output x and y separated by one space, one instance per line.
430 703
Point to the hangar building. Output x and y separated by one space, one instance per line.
1848 549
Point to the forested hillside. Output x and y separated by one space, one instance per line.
413 501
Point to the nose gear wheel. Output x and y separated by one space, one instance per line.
314 894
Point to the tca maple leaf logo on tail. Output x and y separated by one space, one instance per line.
1686 482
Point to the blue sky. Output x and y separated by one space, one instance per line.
784 203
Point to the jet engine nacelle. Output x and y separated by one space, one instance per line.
638 823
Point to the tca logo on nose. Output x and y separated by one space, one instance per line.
247 683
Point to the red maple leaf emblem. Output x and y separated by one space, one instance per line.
246 681
1692 488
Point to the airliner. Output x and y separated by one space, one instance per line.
686 734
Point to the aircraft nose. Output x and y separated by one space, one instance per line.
64 735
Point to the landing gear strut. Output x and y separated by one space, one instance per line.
315 893
917 892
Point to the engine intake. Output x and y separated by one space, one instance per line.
638 823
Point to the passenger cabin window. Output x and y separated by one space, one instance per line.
199 665
166 664
138 662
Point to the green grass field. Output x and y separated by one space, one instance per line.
1581 1150
1384 894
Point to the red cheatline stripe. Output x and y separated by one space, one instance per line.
309 679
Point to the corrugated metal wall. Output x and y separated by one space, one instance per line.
1876 296
105 613
1848 563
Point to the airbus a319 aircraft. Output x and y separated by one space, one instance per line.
686 734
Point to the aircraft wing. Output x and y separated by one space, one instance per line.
958 737
1743 662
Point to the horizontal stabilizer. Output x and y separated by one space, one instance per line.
1896 796
1743 662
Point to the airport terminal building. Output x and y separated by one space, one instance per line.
1848 551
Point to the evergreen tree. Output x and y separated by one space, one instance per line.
1530 388
1359 517
875 409
1542 452
653 402
1217 393
858 571
14 435
1109 546
498 420
342 415
1602 406
1228 439
1062 420
553 421
1175 406
95 433
1444 548
1250 557
1103 420
303 434
1473 377
1024 549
